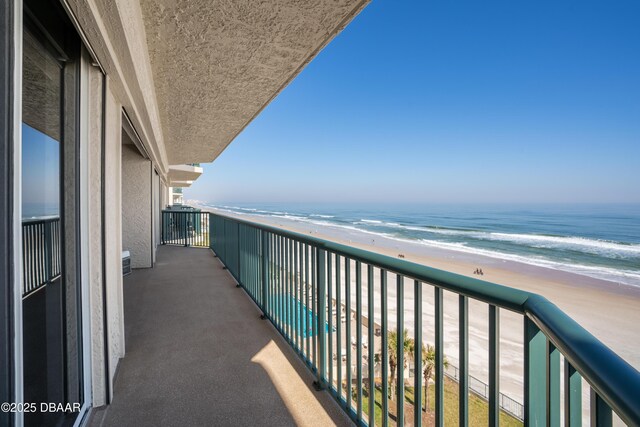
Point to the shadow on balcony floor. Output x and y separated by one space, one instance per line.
198 354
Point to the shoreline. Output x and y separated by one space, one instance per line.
587 300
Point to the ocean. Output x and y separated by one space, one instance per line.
600 241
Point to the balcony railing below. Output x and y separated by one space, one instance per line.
186 227
40 253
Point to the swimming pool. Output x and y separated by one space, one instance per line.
305 315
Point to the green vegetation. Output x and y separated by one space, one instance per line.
407 347
478 408
429 364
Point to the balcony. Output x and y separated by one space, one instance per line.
196 340
184 175
198 354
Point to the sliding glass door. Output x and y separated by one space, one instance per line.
52 356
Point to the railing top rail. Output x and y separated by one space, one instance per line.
41 219
183 209
617 382
491 293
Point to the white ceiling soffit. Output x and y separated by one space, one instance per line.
184 172
180 184
216 64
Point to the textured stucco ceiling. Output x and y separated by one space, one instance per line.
216 64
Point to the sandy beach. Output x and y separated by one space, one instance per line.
610 311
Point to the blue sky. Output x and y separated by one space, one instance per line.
441 102
40 173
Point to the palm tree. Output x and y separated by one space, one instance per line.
429 363
407 346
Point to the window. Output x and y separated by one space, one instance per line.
52 356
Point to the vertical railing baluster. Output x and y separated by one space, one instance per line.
601 414
572 396
385 348
463 356
281 314
417 355
347 296
330 314
255 235
25 259
273 279
290 297
257 264
43 264
285 287
494 366
296 281
32 245
276 280
237 250
279 284
359 336
314 306
37 233
254 267
287 283
370 338
338 327
183 219
535 349
553 385
439 362
48 251
321 286
265 272
307 310
27 256
400 350
273 271
246 258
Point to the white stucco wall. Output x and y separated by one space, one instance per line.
94 145
113 233
155 205
136 206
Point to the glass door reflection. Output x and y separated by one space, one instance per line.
50 287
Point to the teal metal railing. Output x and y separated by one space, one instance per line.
185 227
41 253
297 280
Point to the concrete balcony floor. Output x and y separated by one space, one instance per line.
198 354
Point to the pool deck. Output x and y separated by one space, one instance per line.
198 354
